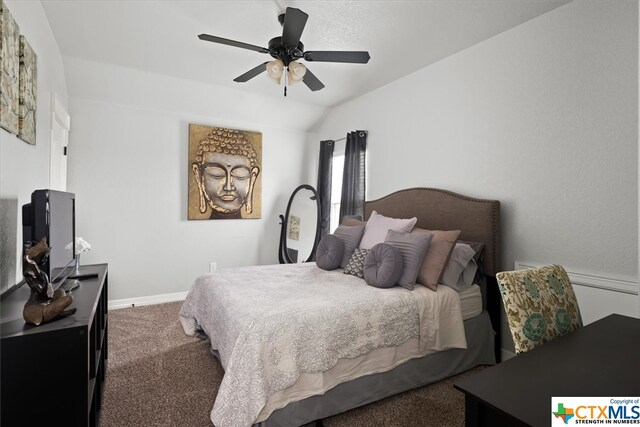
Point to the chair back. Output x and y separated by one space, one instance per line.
540 304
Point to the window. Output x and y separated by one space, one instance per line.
336 189
355 171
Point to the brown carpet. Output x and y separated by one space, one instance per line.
158 376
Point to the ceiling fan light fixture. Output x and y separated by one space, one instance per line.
296 72
275 70
288 48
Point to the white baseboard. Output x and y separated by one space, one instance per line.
148 300
506 354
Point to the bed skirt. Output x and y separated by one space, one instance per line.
412 374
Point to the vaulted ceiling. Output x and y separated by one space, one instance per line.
401 36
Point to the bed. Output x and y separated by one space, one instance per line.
300 344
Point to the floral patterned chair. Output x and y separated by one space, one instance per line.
540 305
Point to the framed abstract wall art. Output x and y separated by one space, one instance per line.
225 173
9 73
294 227
28 92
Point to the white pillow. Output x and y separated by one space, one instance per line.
461 268
377 227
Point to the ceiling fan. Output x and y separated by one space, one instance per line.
287 50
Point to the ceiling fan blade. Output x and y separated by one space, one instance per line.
233 43
294 22
251 73
312 81
353 57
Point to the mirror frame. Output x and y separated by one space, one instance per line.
283 254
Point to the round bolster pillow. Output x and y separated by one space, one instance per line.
329 252
383 266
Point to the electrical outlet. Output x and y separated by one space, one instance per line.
213 266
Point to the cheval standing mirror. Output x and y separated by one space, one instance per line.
300 227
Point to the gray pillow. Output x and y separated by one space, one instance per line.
478 247
352 220
378 225
461 268
329 252
355 267
413 248
350 236
383 266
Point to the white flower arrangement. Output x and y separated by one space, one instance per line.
81 246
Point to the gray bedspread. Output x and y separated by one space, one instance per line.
271 323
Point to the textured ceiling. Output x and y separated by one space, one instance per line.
401 36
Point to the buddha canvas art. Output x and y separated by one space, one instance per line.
225 180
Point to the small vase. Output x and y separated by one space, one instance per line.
77 264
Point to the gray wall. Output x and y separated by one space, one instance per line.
128 167
24 167
543 117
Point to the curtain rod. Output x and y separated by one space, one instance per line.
343 138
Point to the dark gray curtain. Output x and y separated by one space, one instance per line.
324 185
353 177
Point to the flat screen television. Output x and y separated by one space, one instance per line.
52 214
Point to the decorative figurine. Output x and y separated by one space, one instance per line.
44 304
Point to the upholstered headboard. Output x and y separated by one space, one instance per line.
478 219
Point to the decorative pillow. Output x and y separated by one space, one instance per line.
383 266
437 256
540 305
350 236
461 268
352 220
377 226
413 248
356 263
329 252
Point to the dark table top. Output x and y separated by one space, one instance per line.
12 323
600 359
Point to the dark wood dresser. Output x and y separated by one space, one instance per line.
53 374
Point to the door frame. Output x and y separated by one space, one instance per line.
58 164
